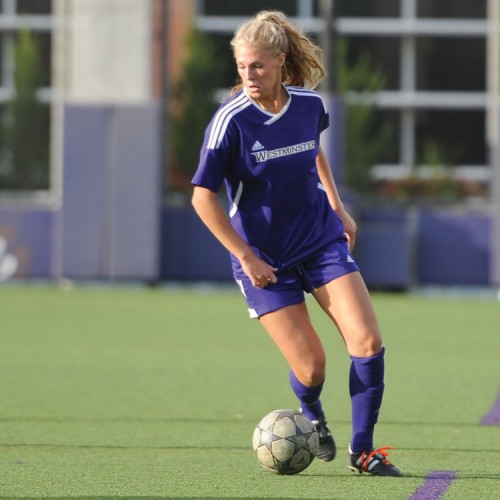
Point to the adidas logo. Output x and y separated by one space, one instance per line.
257 146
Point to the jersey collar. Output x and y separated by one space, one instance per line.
272 116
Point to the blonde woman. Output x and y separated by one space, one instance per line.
287 230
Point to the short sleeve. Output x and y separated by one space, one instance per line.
324 120
215 160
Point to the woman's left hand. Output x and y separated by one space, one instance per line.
350 227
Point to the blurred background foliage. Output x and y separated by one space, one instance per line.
365 139
370 138
193 102
25 126
194 97
192 105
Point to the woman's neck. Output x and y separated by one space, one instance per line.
275 102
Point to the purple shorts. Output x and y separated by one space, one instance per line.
317 270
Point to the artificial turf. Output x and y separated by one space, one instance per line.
111 392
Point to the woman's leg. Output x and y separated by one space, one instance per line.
346 300
291 330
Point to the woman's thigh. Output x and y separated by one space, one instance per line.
347 302
291 330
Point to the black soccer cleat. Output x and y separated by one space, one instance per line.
373 461
327 449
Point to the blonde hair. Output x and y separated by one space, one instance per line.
272 30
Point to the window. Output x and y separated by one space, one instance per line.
383 53
2 68
388 120
434 89
224 52
34 6
225 8
25 118
367 8
460 135
457 64
43 42
458 9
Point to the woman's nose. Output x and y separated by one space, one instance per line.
249 74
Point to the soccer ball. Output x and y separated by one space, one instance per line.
285 442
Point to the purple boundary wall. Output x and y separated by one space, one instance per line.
384 248
394 252
108 225
189 251
111 202
111 224
451 248
27 232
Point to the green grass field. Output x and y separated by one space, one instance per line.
139 393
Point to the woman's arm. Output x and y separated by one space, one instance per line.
326 178
212 214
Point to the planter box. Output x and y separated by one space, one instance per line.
453 248
189 252
383 249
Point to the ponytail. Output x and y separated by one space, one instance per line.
273 31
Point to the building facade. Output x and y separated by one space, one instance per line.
432 54
112 64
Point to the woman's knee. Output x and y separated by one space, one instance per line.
312 373
366 345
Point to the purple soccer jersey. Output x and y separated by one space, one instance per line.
268 163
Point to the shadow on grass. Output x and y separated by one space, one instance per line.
125 420
437 424
460 477
449 449
111 447
215 448
204 420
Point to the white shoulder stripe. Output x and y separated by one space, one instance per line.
307 92
224 125
220 113
221 120
302 89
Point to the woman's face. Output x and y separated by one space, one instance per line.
259 70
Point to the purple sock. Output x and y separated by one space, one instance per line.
308 397
366 387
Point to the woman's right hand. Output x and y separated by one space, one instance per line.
207 206
261 274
